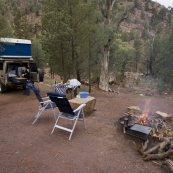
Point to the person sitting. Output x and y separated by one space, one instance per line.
25 74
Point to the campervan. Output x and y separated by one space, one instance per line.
14 54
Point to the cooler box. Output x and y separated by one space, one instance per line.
83 94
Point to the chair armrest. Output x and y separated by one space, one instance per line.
80 107
45 98
46 101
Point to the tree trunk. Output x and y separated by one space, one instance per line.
104 81
89 64
63 64
151 65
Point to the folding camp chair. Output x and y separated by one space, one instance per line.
45 103
66 112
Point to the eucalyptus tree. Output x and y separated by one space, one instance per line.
111 23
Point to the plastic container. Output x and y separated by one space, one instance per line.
83 94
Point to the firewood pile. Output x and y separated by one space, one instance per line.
161 134
161 151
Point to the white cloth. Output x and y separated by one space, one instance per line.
74 82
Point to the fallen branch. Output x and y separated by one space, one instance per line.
164 144
158 156
144 146
137 148
151 150
56 155
160 146
169 163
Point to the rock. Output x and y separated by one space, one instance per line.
164 115
133 109
141 95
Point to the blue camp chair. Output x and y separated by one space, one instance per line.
45 103
66 112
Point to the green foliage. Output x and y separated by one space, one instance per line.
123 56
22 28
144 34
161 85
67 29
163 59
38 53
131 35
5 29
142 14
147 5
119 77
136 3
138 52
162 13
125 36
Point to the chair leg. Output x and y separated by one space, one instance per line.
73 128
38 114
56 123
53 110
84 121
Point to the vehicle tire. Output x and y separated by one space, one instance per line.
2 88
41 76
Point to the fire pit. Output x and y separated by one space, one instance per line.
139 131
135 126
141 125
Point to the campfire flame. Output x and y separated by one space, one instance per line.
143 118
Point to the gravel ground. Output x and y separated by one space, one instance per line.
101 148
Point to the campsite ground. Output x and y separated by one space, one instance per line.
101 148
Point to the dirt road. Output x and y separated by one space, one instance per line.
27 148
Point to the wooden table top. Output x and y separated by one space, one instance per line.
81 100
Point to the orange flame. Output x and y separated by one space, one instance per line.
143 118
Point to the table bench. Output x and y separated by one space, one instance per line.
89 101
